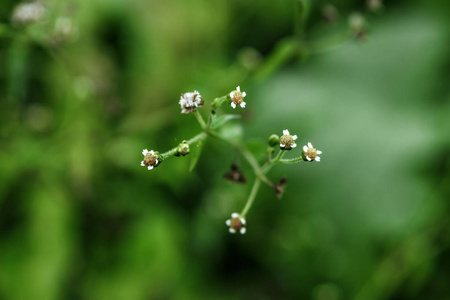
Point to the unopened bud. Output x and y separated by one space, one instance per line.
273 140
329 13
183 149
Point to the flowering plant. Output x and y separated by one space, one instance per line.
276 149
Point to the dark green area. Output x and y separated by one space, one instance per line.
81 219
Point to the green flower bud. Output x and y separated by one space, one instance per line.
182 149
273 140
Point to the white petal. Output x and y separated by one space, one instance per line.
238 89
317 158
305 148
243 230
232 95
310 145
233 105
286 132
145 152
150 167
244 94
319 152
152 152
142 163
228 222
242 220
156 161
235 215
231 230
294 145
294 137
243 104
282 145
309 159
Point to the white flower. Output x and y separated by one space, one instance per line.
310 153
150 159
236 223
237 98
287 141
28 12
190 101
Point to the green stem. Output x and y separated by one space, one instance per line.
200 119
191 141
252 197
291 160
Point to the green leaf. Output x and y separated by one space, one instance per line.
196 151
219 121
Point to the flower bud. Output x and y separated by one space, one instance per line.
374 5
280 187
235 175
329 13
182 149
273 140
358 26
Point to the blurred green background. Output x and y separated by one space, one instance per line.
80 219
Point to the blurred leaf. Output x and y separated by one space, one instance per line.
196 151
217 122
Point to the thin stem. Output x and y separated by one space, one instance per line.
191 141
252 197
291 160
200 119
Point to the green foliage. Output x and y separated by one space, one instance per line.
80 219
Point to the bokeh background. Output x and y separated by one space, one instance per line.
84 90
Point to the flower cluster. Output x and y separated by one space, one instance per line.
237 98
190 101
236 223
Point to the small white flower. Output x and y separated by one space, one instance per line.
310 153
28 13
189 102
237 98
150 159
287 141
236 223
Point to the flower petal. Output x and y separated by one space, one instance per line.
142 163
150 167
244 94
319 152
228 222
231 230
243 230
294 145
309 159
305 148
282 145
144 152
310 145
243 104
235 215
294 137
238 89
317 159
286 132
233 105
